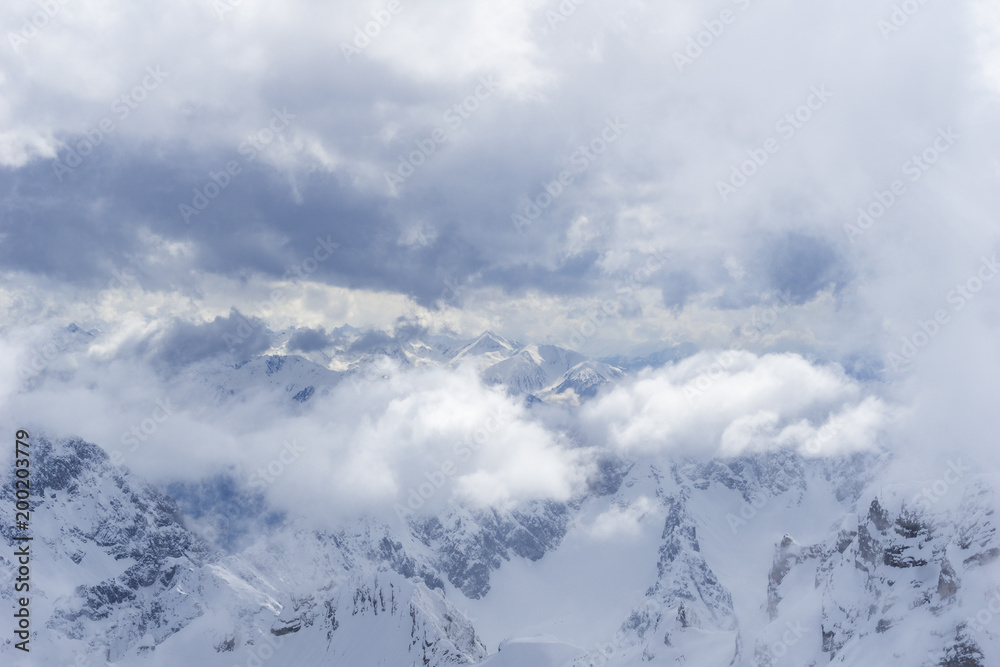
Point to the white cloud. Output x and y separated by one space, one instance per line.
621 521
655 188
735 402
365 447
18 147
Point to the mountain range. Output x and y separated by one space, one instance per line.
758 560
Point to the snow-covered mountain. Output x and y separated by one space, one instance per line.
532 369
581 382
759 560
762 560
543 372
219 382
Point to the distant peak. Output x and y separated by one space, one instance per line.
490 340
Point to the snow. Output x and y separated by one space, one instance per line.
540 651
546 596
821 560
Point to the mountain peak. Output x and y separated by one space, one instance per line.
488 343
490 336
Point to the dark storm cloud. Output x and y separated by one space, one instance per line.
314 202
76 229
310 340
371 341
234 337
799 266
72 233
793 266
320 180
576 275
408 328
678 288
96 219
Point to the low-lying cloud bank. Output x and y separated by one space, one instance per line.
404 440
729 403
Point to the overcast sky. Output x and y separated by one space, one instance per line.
823 175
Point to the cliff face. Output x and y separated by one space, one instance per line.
120 577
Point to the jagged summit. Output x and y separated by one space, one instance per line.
759 560
583 381
764 559
487 349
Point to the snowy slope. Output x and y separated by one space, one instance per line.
762 560
582 381
218 382
531 369
120 579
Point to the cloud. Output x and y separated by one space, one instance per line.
441 435
258 120
406 440
372 341
621 521
310 340
356 118
737 402
801 266
234 337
